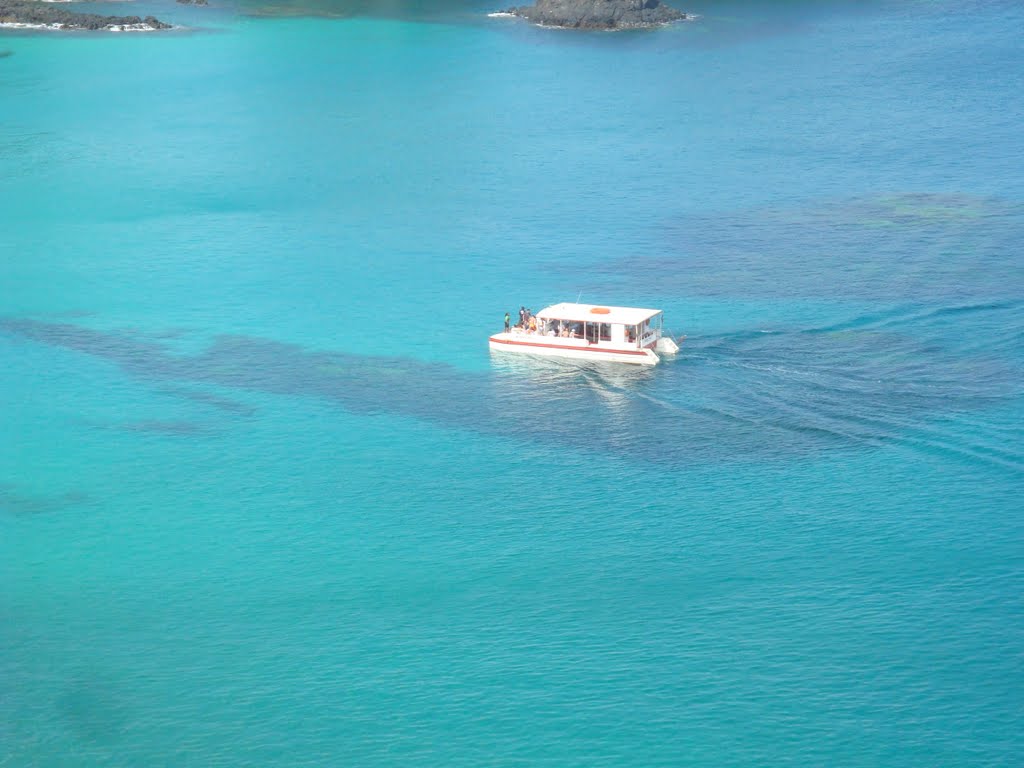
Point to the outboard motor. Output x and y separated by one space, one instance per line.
666 346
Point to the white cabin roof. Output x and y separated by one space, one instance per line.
584 313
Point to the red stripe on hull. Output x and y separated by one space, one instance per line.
564 346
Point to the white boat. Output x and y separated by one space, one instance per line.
590 332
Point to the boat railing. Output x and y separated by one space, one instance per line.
538 334
649 338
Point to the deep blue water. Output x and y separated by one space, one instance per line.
267 499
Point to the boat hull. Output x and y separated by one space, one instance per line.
575 349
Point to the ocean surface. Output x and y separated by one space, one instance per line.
266 498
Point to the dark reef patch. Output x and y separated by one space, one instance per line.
166 427
224 404
17 503
92 711
749 395
905 247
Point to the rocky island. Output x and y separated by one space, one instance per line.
599 14
32 14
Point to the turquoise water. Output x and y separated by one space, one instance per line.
266 498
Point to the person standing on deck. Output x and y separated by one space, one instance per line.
508 318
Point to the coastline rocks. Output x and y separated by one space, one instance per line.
599 14
32 14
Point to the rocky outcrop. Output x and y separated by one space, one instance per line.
599 14
34 14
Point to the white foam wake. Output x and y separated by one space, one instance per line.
26 25
140 27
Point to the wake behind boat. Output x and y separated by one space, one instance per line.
588 332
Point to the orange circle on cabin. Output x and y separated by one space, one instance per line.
600 311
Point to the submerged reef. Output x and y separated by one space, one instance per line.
599 14
889 249
20 503
756 394
34 14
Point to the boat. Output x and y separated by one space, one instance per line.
590 332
